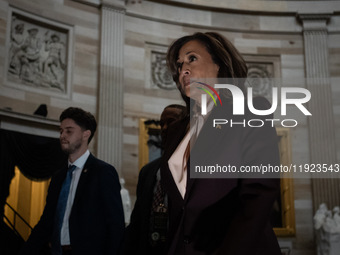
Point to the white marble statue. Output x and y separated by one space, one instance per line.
320 216
126 201
327 225
336 217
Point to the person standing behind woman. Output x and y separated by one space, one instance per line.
217 216
142 235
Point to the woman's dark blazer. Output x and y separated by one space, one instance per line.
224 215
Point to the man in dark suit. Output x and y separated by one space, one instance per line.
83 212
141 235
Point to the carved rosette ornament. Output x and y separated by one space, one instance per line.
160 75
259 78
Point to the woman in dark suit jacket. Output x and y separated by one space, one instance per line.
217 215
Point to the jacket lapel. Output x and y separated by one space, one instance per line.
205 143
174 136
83 178
203 148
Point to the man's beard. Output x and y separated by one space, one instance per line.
72 148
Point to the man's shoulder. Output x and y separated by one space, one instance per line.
150 168
94 160
155 164
61 172
99 164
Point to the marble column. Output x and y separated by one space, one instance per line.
321 124
110 97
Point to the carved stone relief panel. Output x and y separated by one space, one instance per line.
161 76
261 73
38 55
259 77
158 75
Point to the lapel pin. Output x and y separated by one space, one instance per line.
85 170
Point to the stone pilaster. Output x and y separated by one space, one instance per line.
110 101
321 124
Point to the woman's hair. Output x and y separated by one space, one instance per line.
223 53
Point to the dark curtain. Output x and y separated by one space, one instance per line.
37 158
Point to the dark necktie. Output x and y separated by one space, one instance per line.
158 197
61 206
159 219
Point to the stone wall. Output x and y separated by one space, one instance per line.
83 24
